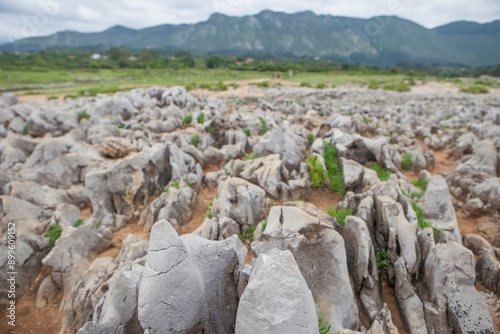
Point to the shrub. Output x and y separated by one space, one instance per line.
201 118
383 173
422 184
187 120
264 127
321 86
310 137
397 87
195 140
247 132
247 233
205 86
318 177
78 223
262 84
333 169
373 85
70 97
339 213
382 258
209 129
220 86
52 98
406 161
82 115
305 84
53 234
474 90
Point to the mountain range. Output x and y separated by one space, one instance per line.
382 40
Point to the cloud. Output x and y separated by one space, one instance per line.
26 18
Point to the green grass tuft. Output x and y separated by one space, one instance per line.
450 116
305 84
251 156
187 120
382 258
247 233
397 87
264 225
421 219
209 211
333 169
53 234
264 127
339 213
323 325
366 119
82 115
196 139
321 86
406 161
163 189
26 131
176 184
474 90
78 223
383 173
201 118
209 129
247 132
310 138
373 85
422 184
318 177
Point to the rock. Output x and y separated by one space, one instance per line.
412 308
47 291
483 159
275 276
241 201
438 208
352 174
362 264
209 229
8 99
42 196
282 140
451 302
320 254
474 206
487 265
184 280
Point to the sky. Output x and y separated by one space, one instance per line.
26 18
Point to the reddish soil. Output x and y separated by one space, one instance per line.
120 235
389 297
202 201
323 198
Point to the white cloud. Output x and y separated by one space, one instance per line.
25 18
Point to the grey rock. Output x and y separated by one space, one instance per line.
275 276
483 159
487 265
209 229
47 291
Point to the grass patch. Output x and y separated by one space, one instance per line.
323 325
373 85
305 84
78 223
333 170
448 117
397 87
339 213
321 86
208 214
475 90
247 132
318 177
196 139
201 118
53 234
421 219
383 173
176 184
406 161
247 233
251 156
82 115
187 120
264 127
52 98
421 184
190 86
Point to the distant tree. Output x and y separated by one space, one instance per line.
395 70
117 54
147 55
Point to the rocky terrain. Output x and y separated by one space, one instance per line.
160 211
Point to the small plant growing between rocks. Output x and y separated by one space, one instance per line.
366 119
264 225
209 212
247 233
323 325
474 90
201 117
196 139
247 132
421 184
318 177
450 116
209 129
98 225
422 223
406 162
26 131
82 115
383 173
187 120
53 234
321 86
78 223
382 258
310 138
251 156
142 125
339 213
334 172
264 127
176 184
305 84
163 189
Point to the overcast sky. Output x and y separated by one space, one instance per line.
25 18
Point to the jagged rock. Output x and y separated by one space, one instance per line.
362 264
483 159
182 284
282 141
487 265
438 208
276 277
352 174
241 201
320 254
15 149
451 302
209 229
47 291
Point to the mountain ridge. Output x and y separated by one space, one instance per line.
381 40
